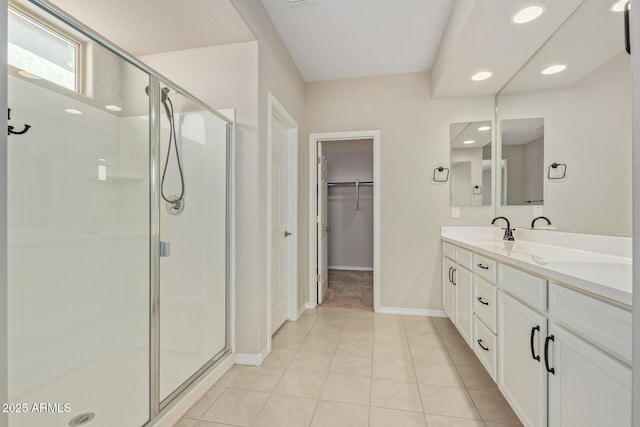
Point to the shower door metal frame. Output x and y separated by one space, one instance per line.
156 407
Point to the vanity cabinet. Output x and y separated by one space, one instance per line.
560 357
457 292
522 377
583 378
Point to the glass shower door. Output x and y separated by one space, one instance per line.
78 243
193 232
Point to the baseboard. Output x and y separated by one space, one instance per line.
251 359
302 309
191 396
340 267
411 311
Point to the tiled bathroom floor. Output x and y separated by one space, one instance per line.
340 367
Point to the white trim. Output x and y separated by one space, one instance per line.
411 311
275 109
349 268
302 309
252 359
314 138
190 397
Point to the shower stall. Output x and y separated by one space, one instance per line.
118 243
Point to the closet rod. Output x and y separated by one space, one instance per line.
357 183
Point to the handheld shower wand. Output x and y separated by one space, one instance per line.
175 203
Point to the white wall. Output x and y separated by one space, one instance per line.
277 74
351 235
588 127
414 141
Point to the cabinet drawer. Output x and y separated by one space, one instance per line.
530 289
484 302
605 325
485 346
464 258
485 267
449 250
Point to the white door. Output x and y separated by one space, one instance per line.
323 227
522 377
449 288
464 303
587 387
279 222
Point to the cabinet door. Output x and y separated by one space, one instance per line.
464 303
588 388
522 377
448 289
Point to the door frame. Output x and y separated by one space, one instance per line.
277 111
314 139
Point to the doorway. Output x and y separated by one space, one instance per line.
344 221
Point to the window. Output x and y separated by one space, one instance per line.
39 51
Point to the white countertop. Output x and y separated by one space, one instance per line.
601 273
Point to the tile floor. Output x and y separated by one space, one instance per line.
349 289
340 367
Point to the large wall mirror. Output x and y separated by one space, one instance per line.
571 103
471 164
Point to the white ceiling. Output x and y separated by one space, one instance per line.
142 27
338 39
480 36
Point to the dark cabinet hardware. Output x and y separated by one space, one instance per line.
546 354
10 129
482 347
481 301
627 37
453 276
532 341
482 266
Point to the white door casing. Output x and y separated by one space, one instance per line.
312 229
323 226
279 224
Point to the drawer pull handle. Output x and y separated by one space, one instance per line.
453 276
546 354
533 335
482 347
450 274
482 266
481 301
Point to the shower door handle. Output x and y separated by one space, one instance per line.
165 249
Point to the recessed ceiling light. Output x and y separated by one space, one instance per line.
72 111
527 14
554 69
484 128
619 6
482 75
29 75
113 107
469 142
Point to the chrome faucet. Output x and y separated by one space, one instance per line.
533 222
508 232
